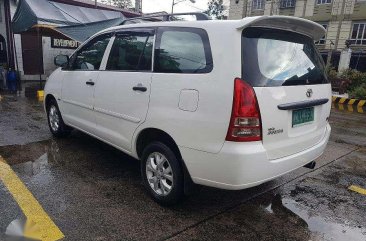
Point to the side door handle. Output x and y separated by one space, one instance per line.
90 83
139 87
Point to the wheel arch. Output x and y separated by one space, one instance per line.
48 99
150 135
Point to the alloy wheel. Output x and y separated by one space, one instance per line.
54 118
159 173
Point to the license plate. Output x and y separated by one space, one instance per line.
302 116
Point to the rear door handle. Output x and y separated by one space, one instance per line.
139 88
90 82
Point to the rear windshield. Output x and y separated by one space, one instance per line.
273 57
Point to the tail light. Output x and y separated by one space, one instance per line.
245 122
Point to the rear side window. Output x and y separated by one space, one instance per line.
131 51
182 50
280 58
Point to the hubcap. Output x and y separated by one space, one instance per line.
54 118
159 173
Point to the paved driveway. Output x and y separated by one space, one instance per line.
91 191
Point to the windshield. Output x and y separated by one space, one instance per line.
273 57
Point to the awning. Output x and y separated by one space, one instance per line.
82 32
76 22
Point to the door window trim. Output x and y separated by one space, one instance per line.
205 40
151 31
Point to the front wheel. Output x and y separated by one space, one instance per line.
55 121
162 174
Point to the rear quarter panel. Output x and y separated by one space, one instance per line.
205 128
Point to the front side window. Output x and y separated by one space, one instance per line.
90 56
183 50
257 4
323 1
273 57
323 39
287 3
131 51
358 35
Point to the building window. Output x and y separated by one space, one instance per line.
358 35
323 1
287 3
257 4
322 39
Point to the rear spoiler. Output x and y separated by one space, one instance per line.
294 24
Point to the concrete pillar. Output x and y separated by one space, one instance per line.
138 6
344 60
309 11
268 7
299 8
236 10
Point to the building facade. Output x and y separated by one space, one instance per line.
32 53
344 20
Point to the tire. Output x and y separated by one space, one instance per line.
157 177
55 121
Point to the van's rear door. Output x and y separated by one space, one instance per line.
294 95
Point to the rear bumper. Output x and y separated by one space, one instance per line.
243 165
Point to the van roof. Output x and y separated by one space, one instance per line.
294 24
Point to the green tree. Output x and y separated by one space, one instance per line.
216 9
119 3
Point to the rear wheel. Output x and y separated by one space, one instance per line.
55 121
162 174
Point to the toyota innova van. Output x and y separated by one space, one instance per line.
227 104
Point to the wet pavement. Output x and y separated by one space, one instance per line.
93 191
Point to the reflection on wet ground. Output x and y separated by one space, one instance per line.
22 120
93 191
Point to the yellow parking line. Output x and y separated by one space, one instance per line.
357 189
39 225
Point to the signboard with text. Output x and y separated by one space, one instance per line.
64 43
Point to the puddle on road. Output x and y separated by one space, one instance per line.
78 153
295 220
325 228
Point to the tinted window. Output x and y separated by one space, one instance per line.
90 56
183 50
131 51
276 58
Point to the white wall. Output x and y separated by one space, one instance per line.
50 53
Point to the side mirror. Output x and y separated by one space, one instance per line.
61 60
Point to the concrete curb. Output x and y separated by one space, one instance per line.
347 101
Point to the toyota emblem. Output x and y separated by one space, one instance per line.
309 93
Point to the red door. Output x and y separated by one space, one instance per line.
32 54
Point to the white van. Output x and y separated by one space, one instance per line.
227 104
